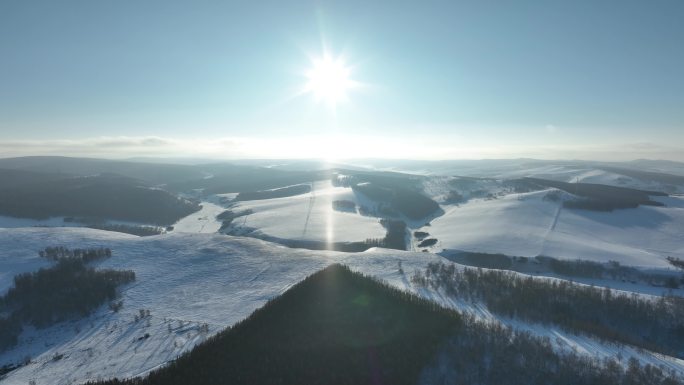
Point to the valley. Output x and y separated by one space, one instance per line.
212 268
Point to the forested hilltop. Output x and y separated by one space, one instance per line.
340 327
104 196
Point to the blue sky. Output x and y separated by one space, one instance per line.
452 79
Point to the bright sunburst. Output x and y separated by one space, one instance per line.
328 80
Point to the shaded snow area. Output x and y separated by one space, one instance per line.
309 217
530 225
193 286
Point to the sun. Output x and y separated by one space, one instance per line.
329 80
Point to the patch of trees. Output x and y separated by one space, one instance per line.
334 327
575 268
339 327
454 197
58 167
68 289
274 193
420 234
677 262
230 178
229 215
553 196
411 203
347 247
344 206
386 210
428 242
141 231
55 253
490 353
486 260
579 268
656 325
395 238
600 197
466 182
10 328
612 269
389 180
521 185
101 197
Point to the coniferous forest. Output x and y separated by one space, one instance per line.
340 327
68 289
656 325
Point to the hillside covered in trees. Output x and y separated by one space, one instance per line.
656 325
600 197
340 327
95 197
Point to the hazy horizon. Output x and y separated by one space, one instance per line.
319 79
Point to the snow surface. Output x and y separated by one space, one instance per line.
187 280
202 221
529 225
309 217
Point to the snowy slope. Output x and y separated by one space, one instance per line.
529 225
309 217
185 280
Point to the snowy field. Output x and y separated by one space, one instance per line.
309 217
202 221
528 225
188 280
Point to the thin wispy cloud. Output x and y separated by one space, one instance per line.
329 147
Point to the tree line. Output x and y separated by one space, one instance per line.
55 253
340 327
68 289
656 325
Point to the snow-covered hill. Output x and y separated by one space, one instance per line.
530 224
193 285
